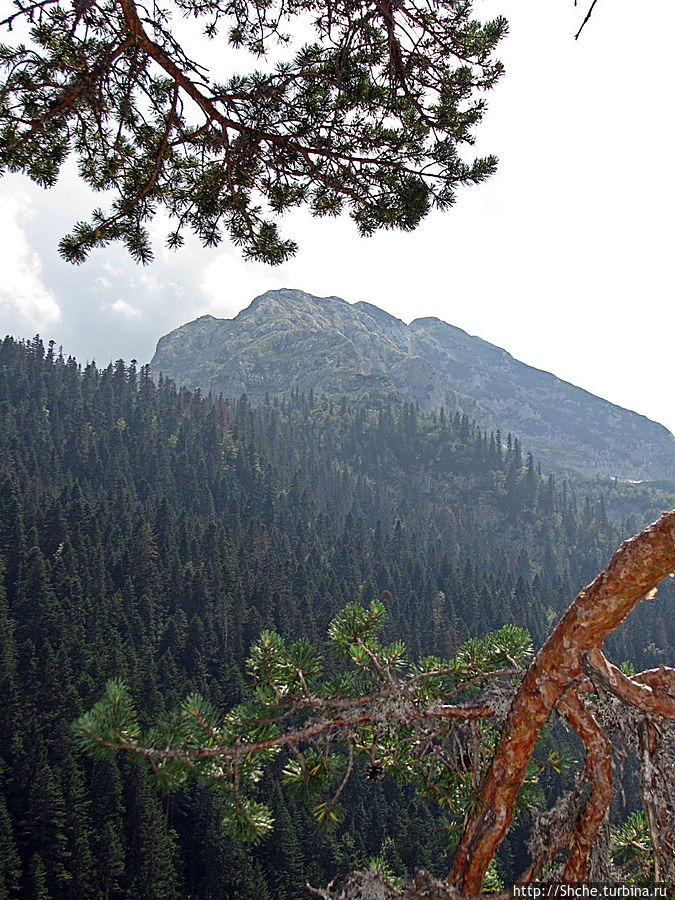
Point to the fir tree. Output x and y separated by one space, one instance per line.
116 565
10 865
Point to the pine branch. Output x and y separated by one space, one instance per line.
599 774
658 700
634 570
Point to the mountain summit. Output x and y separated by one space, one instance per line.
288 339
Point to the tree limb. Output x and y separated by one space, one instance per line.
588 15
599 772
634 570
659 699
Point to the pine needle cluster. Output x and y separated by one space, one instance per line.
426 722
370 114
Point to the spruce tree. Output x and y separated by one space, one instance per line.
153 852
37 880
10 864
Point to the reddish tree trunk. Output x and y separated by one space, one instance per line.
633 571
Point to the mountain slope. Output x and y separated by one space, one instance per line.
289 339
150 535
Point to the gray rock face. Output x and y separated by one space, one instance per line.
289 339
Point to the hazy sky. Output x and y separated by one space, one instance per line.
564 257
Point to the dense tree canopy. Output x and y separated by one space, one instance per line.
359 105
152 535
423 727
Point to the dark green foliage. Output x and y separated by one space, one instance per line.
37 880
151 535
381 708
152 847
369 114
10 866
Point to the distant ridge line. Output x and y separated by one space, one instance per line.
287 339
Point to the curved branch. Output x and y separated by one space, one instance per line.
599 772
634 570
663 677
657 699
331 723
155 52
210 110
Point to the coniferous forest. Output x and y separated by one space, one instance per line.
150 534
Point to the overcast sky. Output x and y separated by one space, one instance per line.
564 258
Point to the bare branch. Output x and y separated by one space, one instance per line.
588 15
658 700
27 11
599 773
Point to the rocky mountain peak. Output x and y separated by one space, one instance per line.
288 339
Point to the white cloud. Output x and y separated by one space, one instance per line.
112 270
226 282
563 257
25 302
150 281
125 309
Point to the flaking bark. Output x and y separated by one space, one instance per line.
634 570
599 774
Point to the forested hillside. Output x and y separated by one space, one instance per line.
150 534
288 339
